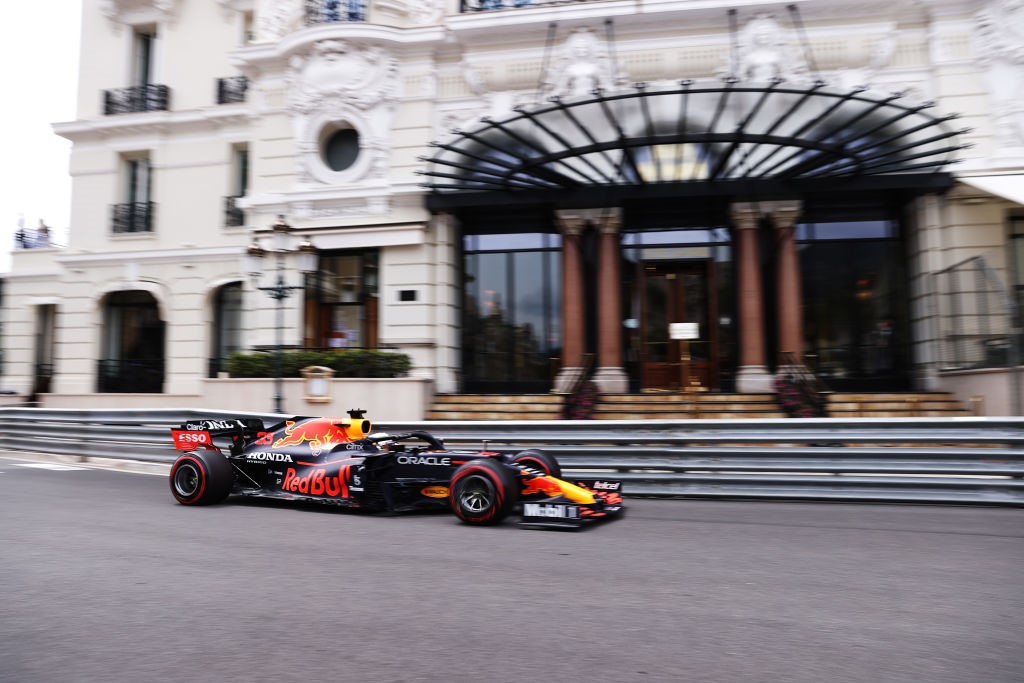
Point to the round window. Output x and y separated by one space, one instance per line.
340 148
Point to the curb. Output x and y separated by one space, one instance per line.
116 464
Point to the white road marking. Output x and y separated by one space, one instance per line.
49 466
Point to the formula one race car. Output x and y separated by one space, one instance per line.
338 460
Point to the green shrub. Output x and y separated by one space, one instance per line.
344 362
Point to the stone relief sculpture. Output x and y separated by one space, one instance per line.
765 53
1000 42
339 73
583 65
341 83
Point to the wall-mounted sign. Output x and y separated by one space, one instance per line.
684 330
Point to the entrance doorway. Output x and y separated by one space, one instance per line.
678 292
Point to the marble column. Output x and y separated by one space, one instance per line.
752 375
571 226
787 284
610 376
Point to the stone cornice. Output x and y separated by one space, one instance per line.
211 118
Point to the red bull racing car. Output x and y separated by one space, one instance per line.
339 461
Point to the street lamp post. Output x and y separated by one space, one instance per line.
281 240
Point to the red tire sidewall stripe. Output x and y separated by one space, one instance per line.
203 476
499 492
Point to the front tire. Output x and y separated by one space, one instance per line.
539 461
201 478
482 492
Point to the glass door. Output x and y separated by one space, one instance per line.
674 293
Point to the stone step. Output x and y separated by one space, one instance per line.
493 415
686 415
490 399
896 405
688 397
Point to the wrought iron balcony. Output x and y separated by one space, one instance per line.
130 376
331 11
233 216
149 97
134 217
232 89
491 5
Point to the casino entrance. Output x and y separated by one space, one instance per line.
690 235
677 296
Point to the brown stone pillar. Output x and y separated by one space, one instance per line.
571 226
787 284
610 375
752 375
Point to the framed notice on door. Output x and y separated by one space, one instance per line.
684 330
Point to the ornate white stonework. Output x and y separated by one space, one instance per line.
114 10
1000 42
583 64
275 18
418 12
766 52
342 84
864 76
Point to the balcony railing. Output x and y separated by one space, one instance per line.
149 97
133 217
233 216
331 11
491 5
135 376
232 89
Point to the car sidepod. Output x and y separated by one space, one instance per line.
575 505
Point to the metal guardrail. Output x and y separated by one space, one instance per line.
896 460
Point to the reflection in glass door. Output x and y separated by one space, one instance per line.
678 292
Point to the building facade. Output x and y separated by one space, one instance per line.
515 192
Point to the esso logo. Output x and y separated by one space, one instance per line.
193 437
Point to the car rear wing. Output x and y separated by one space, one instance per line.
231 434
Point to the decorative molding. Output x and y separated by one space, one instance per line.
342 84
276 18
418 12
999 32
118 11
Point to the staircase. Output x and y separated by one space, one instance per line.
689 405
899 404
496 407
673 406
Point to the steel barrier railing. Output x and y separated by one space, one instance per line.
937 460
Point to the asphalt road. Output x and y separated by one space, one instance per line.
103 577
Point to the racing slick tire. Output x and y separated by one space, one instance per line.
540 461
201 478
482 492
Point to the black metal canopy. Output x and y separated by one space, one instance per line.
722 135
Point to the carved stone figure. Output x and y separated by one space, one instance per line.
765 53
1000 34
583 66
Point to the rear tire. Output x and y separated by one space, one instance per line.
482 492
201 478
539 461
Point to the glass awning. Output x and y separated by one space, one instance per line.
685 133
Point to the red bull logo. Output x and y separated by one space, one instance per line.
317 482
321 434
545 485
